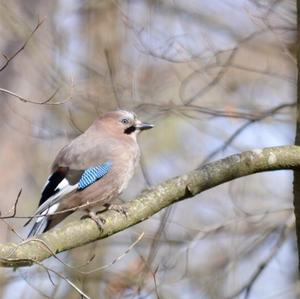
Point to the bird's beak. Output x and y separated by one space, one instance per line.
143 126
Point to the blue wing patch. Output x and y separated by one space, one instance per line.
91 175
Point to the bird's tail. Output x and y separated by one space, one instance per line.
39 226
43 217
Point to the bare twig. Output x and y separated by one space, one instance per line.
13 215
283 233
111 77
73 124
14 211
25 100
67 280
237 132
9 59
155 282
117 258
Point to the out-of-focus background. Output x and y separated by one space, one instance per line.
216 77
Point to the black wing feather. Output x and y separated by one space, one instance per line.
49 189
53 182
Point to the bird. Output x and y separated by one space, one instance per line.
91 171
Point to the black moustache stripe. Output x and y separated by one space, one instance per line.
130 130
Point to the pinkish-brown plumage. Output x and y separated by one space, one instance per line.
113 138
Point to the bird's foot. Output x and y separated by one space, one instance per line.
118 208
98 219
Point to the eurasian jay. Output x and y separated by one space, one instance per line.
91 171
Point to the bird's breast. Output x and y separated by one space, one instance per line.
125 166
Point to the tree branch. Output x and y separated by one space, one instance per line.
296 185
149 202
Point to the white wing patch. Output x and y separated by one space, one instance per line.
54 199
64 183
52 209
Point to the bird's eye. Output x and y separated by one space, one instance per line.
125 121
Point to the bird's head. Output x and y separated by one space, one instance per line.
126 122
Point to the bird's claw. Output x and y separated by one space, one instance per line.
118 208
98 219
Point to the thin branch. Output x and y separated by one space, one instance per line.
283 234
117 258
13 215
238 131
73 124
9 59
111 77
44 102
224 67
192 108
155 282
14 211
67 280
